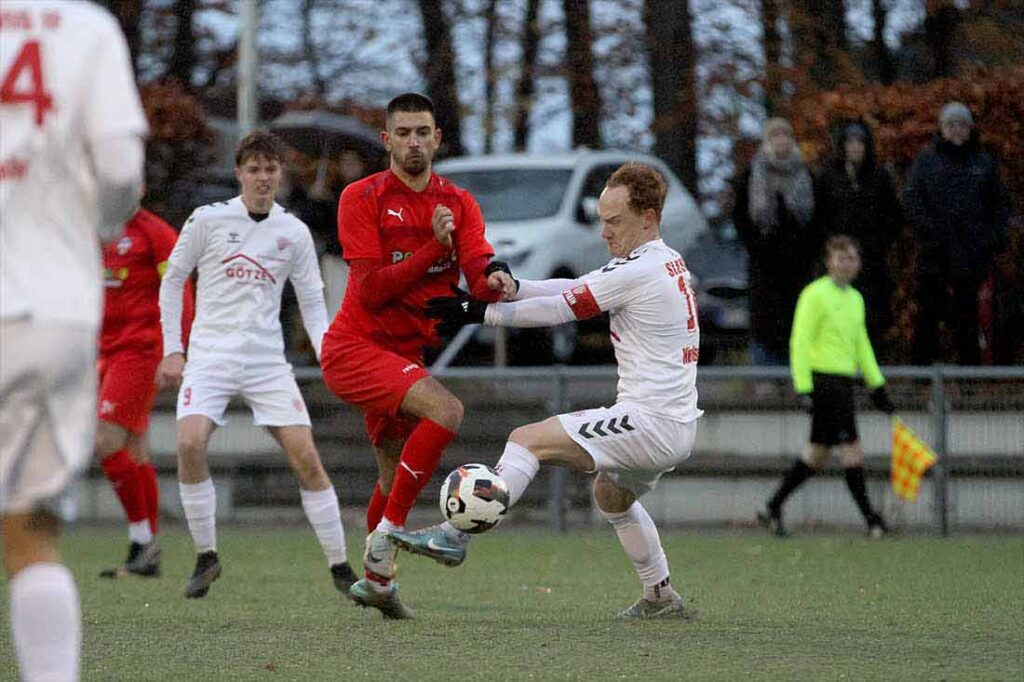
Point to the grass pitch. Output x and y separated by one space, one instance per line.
529 604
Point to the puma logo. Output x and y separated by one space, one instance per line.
397 214
415 474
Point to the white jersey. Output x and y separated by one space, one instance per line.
243 265
66 83
653 327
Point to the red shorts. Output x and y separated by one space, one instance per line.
374 379
127 382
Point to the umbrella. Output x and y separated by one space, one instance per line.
323 133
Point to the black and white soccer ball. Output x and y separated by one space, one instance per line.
474 498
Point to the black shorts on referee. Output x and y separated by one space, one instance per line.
832 418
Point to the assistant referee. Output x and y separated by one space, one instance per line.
827 346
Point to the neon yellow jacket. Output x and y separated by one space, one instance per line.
829 336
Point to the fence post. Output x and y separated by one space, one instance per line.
941 427
557 504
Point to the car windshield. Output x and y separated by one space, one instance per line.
514 193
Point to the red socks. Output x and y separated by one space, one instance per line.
375 510
123 474
420 456
136 486
147 472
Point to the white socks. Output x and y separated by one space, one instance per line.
321 507
200 503
46 624
639 537
517 467
140 532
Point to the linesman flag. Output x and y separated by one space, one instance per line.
910 459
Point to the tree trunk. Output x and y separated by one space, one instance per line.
819 36
672 63
942 19
440 75
772 57
183 56
525 86
883 57
584 97
490 77
309 50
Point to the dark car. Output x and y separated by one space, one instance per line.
718 263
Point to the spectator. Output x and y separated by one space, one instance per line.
958 208
855 196
773 211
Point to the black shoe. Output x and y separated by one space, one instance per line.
877 527
207 570
343 577
143 560
773 522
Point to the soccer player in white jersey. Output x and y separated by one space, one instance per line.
650 429
244 250
71 157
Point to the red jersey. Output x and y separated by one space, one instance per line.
133 265
381 218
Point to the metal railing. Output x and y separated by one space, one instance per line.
986 402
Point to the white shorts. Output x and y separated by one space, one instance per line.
47 411
267 385
631 446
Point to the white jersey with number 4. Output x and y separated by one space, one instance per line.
653 327
66 82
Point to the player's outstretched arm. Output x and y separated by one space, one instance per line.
454 312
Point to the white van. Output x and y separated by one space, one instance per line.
541 216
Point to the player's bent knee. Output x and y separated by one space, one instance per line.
610 498
109 439
449 413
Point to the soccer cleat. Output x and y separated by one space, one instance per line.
877 527
207 570
643 609
143 560
386 600
432 542
773 522
344 577
379 555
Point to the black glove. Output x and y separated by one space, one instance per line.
880 399
806 402
500 266
455 312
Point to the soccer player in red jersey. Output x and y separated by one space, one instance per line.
405 233
131 347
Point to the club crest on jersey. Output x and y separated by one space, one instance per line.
283 243
124 245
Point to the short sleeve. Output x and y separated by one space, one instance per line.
112 106
358 230
470 241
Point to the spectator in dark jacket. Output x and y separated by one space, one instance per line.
773 213
855 196
958 207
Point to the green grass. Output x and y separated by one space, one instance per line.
533 605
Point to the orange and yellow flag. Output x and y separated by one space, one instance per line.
910 459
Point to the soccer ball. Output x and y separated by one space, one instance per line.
474 498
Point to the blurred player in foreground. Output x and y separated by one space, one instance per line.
130 350
651 428
405 233
244 250
828 345
71 157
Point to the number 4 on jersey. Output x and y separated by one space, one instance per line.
28 61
